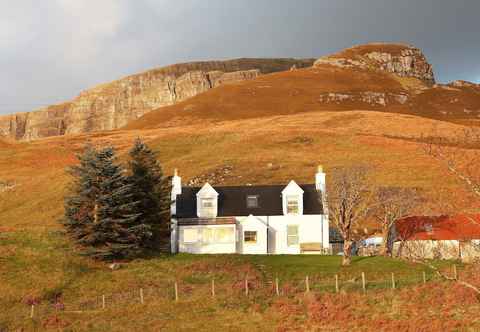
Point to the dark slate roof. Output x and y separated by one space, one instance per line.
232 201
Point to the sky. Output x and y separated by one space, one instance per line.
50 50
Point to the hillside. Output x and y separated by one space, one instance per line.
112 105
381 77
333 84
271 149
264 130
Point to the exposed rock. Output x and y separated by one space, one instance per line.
113 105
368 97
402 60
7 186
217 176
463 84
341 62
114 266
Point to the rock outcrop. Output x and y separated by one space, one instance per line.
368 97
401 60
113 105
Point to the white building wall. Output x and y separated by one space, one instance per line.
312 229
429 249
202 246
271 235
252 224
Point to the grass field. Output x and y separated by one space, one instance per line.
45 269
38 264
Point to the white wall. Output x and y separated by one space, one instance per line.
430 249
254 224
202 246
312 229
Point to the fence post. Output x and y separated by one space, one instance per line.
393 280
246 286
424 277
336 284
213 287
364 286
307 285
455 271
277 289
32 311
176 291
141 295
103 301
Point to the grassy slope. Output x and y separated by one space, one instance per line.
37 261
294 145
299 91
55 271
269 130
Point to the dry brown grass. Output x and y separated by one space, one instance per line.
294 145
37 262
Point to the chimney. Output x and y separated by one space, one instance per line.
320 179
176 184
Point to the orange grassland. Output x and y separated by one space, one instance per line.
269 131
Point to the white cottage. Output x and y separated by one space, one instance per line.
265 219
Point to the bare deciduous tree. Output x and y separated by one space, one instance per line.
391 204
349 200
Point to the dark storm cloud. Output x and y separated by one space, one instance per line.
52 49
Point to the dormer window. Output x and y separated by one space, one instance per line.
292 199
292 204
252 201
208 203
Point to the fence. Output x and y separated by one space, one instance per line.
246 288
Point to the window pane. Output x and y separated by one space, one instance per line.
250 237
292 235
252 201
218 235
190 235
208 235
207 202
224 235
292 204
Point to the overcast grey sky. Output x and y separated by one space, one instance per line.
50 50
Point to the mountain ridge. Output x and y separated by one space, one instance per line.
111 105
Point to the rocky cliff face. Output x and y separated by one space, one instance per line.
113 105
402 60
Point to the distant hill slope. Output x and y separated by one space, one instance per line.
113 105
380 77
394 78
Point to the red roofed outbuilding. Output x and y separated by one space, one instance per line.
442 237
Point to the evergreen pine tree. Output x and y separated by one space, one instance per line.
153 190
101 214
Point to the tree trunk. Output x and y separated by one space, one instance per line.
384 249
95 213
347 252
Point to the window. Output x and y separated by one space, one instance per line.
252 201
218 235
207 203
429 228
292 235
292 204
190 235
250 237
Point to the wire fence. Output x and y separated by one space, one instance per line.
247 288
